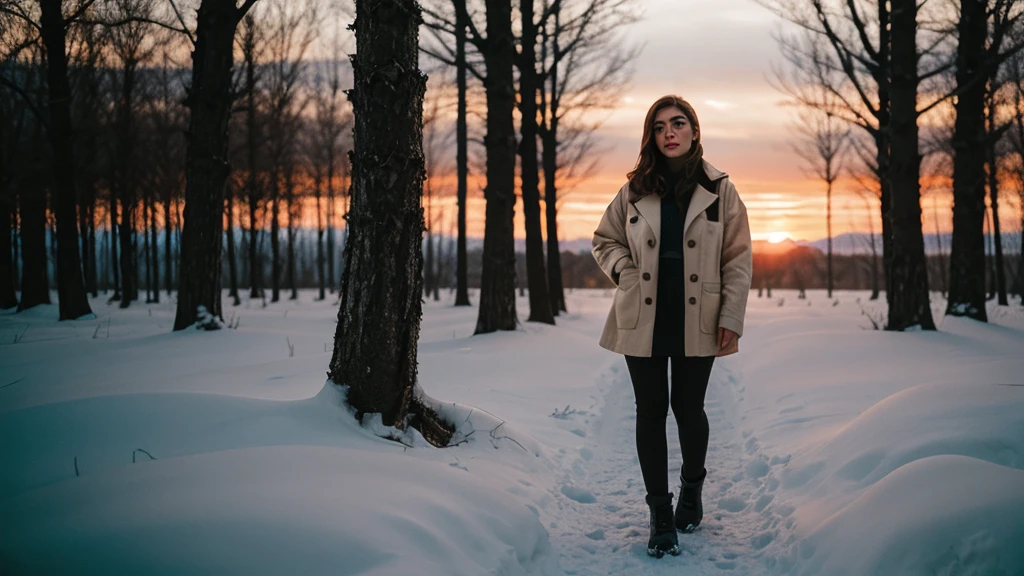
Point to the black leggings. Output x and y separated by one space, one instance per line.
690 376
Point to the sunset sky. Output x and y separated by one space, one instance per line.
719 55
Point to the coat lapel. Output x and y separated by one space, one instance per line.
649 207
698 203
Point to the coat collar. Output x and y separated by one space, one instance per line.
649 205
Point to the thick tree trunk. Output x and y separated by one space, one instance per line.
967 255
461 156
206 171
71 296
379 318
908 280
536 273
498 279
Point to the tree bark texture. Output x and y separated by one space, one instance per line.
967 255
71 296
379 318
498 279
461 154
206 170
908 280
126 186
536 273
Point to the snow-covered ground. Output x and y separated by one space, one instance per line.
835 449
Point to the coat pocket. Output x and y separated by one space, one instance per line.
710 306
627 299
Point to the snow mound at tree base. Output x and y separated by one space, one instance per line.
275 510
245 486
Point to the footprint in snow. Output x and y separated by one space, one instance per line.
757 468
578 494
732 504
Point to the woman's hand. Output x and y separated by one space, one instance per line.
726 338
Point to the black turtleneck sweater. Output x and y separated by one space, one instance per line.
670 307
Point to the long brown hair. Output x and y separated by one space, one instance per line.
645 178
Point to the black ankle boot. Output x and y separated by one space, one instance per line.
690 510
663 534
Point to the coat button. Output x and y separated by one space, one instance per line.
693 277
648 301
693 300
650 242
633 220
647 275
691 243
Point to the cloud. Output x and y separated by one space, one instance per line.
719 104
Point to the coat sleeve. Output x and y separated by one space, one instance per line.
737 261
611 247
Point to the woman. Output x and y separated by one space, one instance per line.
676 242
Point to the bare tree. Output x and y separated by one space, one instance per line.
979 55
53 25
251 41
908 275
379 317
459 24
16 38
132 48
289 35
822 146
209 99
1015 73
585 61
529 80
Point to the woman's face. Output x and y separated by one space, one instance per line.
673 133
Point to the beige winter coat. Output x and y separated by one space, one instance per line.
717 266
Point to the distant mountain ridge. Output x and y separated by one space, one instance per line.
860 243
848 243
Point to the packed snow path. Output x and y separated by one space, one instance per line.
599 525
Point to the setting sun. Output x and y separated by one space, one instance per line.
776 237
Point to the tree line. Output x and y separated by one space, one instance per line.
899 93
138 104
